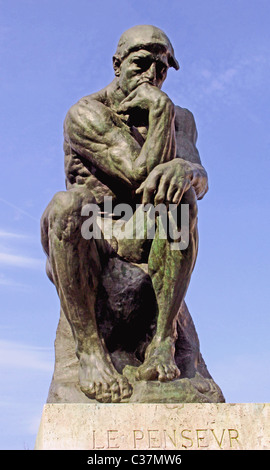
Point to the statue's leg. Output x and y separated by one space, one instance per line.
170 271
76 265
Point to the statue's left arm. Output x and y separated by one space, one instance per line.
186 138
172 179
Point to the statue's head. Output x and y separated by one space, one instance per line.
144 53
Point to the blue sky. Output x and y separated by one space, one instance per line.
53 52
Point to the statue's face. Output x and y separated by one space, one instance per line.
142 66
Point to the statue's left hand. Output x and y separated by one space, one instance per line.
168 181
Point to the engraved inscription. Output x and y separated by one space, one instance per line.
105 440
198 438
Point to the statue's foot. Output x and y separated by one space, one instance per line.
100 381
159 363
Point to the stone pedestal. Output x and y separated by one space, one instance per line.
136 426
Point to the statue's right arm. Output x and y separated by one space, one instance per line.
98 135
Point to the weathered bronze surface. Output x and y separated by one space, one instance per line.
123 298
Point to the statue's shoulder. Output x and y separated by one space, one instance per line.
185 123
183 115
86 102
88 111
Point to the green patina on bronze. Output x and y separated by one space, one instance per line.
123 299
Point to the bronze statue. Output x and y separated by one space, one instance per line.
127 142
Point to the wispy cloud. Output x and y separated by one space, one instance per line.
7 282
212 84
239 73
4 234
22 356
18 209
218 81
21 261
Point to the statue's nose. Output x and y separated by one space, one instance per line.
151 73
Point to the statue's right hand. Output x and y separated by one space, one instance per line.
146 97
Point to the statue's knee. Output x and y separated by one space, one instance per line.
66 202
49 271
64 215
191 199
193 211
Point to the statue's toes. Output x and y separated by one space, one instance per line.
111 391
146 372
125 388
167 373
162 373
115 392
103 392
89 390
154 371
